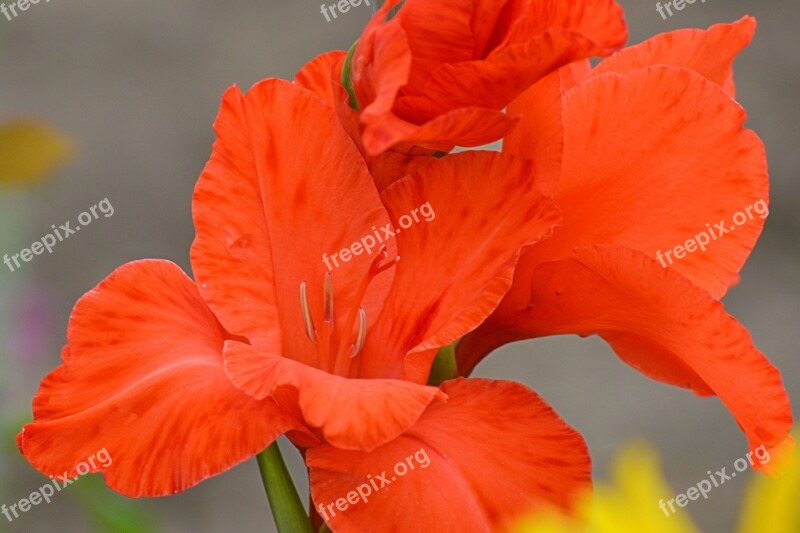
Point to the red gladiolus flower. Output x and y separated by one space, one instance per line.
181 380
642 154
438 74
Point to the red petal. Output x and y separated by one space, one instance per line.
285 189
626 183
353 414
380 68
438 32
435 60
531 39
504 75
663 325
143 380
709 52
455 267
540 133
602 22
318 75
467 126
382 60
321 76
493 452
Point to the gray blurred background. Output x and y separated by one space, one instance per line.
137 86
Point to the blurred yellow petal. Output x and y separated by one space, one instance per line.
773 503
29 152
629 503
549 521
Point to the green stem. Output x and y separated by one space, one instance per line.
287 509
444 365
347 82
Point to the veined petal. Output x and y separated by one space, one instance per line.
321 76
381 67
285 190
539 135
382 60
531 39
626 183
491 453
318 75
457 259
708 52
352 414
664 326
143 379
542 138
494 82
467 126
437 59
600 21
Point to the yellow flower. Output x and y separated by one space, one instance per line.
29 152
630 501
773 503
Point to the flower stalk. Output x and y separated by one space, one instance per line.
287 508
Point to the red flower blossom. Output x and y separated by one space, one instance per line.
438 74
640 154
495 450
181 380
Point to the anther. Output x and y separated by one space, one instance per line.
378 266
328 299
361 337
309 322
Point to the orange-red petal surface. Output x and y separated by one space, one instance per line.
284 190
708 52
322 76
626 183
143 379
660 323
433 59
548 36
457 261
319 74
353 414
540 132
494 451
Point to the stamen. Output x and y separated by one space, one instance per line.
377 266
309 322
335 352
361 338
328 300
